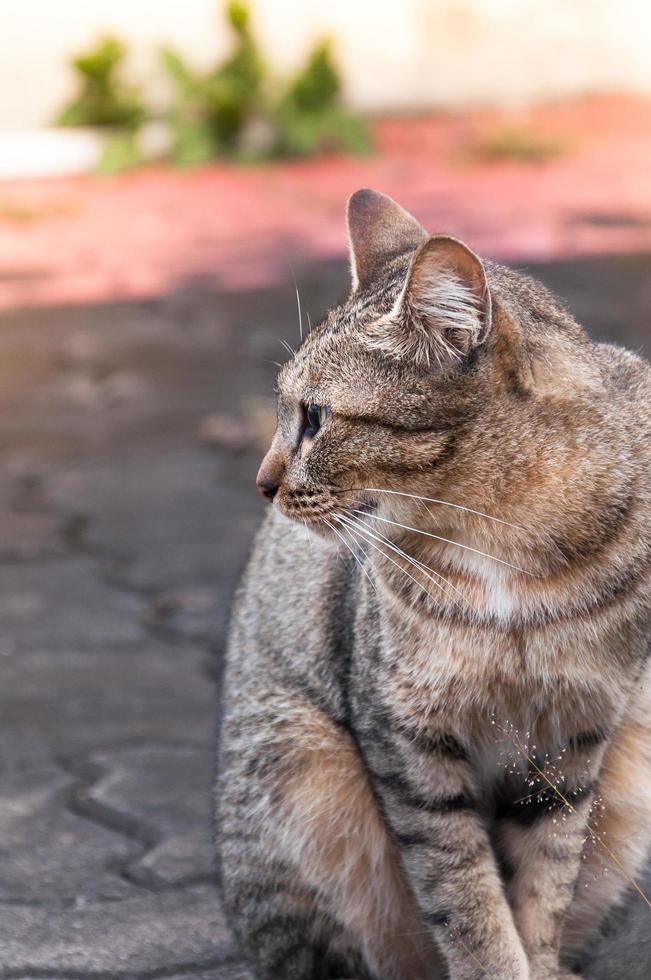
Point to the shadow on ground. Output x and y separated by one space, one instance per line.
130 437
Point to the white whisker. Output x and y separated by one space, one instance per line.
300 315
308 538
355 543
298 301
368 534
290 350
421 566
437 537
356 557
444 503
363 534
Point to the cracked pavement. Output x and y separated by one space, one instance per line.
130 434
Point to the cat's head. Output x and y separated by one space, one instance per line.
420 383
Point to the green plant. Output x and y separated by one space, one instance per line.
229 111
310 117
211 110
103 99
121 152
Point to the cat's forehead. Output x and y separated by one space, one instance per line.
341 370
323 357
338 342
330 349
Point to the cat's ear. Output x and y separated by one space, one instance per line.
444 309
378 230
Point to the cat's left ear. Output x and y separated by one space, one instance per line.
444 309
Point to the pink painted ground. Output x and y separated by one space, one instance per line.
87 239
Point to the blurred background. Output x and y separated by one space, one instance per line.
171 175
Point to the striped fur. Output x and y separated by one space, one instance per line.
427 763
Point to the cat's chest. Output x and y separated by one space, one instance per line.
425 669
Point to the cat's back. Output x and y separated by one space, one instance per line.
627 396
626 369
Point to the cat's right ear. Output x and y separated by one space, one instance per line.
378 231
444 309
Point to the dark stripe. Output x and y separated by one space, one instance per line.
442 744
256 888
392 780
452 858
543 804
285 921
618 589
506 868
393 426
445 804
444 455
307 958
276 963
446 745
587 740
412 840
380 738
406 796
608 523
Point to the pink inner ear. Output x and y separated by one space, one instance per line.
443 311
446 289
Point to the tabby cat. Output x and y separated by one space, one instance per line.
437 713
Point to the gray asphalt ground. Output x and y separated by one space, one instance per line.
130 435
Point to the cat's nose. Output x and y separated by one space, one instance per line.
271 472
267 488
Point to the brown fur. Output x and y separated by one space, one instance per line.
333 830
415 738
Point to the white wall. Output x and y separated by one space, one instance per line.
394 53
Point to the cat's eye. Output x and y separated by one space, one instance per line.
316 416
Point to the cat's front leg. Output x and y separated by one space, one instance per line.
616 854
426 788
541 837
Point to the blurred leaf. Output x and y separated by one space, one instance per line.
211 109
328 131
102 99
310 118
177 69
120 153
99 63
193 143
225 111
317 86
238 16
